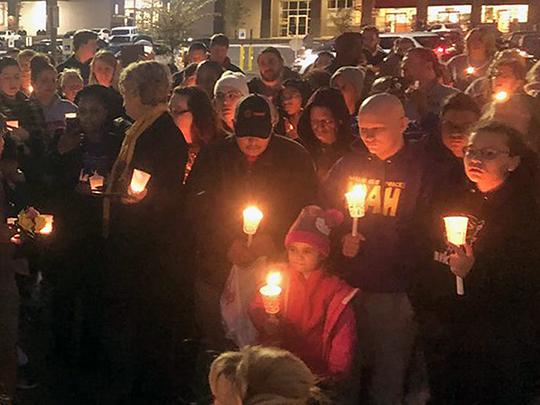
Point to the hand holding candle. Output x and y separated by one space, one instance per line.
271 293
456 233
252 218
356 200
139 180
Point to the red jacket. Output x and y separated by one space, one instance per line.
316 322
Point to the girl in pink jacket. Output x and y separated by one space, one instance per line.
316 321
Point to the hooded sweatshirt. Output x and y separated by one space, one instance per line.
398 188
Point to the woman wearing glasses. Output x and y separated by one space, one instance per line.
481 347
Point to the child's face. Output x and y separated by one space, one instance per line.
303 257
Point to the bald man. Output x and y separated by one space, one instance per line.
380 260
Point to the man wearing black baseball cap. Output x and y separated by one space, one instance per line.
252 167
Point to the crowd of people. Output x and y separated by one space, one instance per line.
145 288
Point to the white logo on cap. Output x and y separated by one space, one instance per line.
320 223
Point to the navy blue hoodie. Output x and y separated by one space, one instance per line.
398 188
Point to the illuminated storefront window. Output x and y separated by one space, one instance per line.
395 19
3 16
295 18
505 15
449 14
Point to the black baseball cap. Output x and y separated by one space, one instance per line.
253 117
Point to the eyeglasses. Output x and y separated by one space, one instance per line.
484 153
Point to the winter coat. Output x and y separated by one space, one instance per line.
495 324
398 189
223 182
317 322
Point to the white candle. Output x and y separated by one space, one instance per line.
48 227
139 180
271 293
356 200
252 218
456 233
96 182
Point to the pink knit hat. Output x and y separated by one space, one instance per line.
313 226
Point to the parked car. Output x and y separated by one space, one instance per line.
103 33
123 35
440 45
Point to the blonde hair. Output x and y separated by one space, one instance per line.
149 80
108 58
70 73
265 375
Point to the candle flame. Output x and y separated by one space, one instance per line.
48 228
252 213
470 70
274 278
70 115
501 96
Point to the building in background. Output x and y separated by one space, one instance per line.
74 14
322 18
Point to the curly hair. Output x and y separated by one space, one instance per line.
149 80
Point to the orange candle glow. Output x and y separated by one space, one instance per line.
13 124
356 200
139 180
470 70
252 219
48 227
271 293
501 96
456 233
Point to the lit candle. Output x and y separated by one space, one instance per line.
139 180
13 124
501 96
252 218
356 200
31 89
96 182
48 227
70 115
470 70
456 233
271 293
